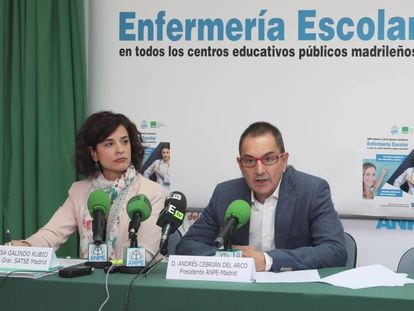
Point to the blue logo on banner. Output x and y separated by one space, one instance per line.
394 224
144 124
394 130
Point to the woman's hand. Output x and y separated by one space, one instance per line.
19 243
158 172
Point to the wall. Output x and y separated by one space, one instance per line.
330 108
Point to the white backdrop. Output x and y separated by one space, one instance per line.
326 107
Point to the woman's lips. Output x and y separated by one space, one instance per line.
120 160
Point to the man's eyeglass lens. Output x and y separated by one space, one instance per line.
267 159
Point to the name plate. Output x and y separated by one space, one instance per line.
27 258
206 268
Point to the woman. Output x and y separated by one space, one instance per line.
109 153
369 184
161 168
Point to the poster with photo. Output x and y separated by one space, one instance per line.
156 163
387 170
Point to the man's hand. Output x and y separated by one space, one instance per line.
258 256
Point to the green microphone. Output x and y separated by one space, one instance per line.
98 206
138 209
236 216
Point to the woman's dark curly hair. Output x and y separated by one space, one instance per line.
94 131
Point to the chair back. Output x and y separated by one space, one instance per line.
406 263
351 249
173 240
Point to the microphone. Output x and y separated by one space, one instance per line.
98 205
171 217
138 209
237 215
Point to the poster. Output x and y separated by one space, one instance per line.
157 156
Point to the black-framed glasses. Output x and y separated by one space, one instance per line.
267 159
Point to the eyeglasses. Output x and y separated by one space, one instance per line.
267 159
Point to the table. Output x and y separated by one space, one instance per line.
156 293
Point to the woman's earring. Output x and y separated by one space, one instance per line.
97 167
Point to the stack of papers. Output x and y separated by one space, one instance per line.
300 276
13 273
368 276
63 262
362 277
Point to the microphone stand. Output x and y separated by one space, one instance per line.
149 269
227 244
133 238
164 248
98 264
134 244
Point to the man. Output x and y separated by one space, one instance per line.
293 223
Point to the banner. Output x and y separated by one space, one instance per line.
335 78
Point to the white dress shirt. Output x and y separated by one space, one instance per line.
262 225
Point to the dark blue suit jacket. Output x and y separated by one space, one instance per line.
308 232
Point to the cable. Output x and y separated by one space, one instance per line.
140 273
150 268
106 287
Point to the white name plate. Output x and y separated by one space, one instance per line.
210 268
27 258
